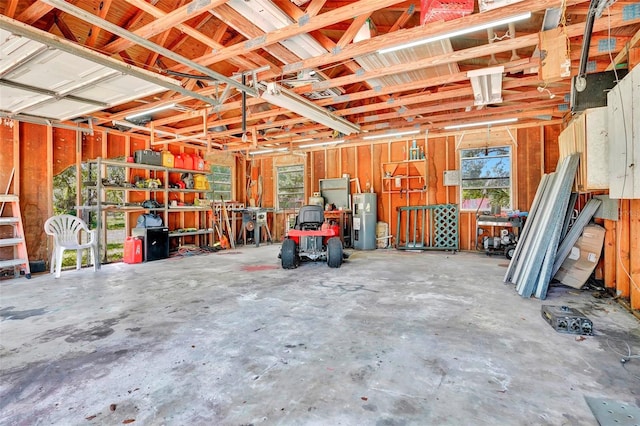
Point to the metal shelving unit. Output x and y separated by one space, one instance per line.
96 198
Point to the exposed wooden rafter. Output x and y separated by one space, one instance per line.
206 46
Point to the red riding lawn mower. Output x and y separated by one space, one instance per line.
312 239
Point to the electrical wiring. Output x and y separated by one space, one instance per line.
626 161
507 34
629 356
625 358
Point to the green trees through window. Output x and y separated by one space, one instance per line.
220 182
486 178
290 187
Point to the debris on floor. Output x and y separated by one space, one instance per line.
567 320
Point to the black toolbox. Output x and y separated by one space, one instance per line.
148 156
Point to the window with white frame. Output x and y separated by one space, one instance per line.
221 182
486 178
290 186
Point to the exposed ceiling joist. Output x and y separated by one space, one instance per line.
31 33
418 89
114 29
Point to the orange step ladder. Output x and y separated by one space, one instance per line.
20 259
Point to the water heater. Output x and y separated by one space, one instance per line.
365 219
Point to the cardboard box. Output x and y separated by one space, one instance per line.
578 266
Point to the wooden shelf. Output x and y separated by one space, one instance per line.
187 233
398 191
412 175
405 168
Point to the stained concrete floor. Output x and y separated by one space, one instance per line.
390 338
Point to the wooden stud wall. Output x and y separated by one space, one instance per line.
9 159
38 151
364 162
634 251
622 253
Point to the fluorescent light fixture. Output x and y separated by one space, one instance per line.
150 111
268 17
459 32
391 135
279 96
481 123
328 143
267 151
487 85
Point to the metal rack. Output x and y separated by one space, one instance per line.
515 223
96 189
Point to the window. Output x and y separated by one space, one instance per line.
486 178
221 182
290 187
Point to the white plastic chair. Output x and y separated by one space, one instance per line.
66 232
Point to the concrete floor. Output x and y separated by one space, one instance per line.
391 338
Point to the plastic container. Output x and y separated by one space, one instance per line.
198 162
168 159
444 10
132 250
382 235
200 182
188 161
178 161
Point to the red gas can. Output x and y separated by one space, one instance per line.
178 161
188 161
198 162
133 250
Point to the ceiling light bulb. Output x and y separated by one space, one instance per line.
150 111
327 143
391 135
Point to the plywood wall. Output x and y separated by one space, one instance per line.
622 253
535 153
38 153
533 149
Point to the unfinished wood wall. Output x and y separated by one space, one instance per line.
37 153
534 153
622 253
25 150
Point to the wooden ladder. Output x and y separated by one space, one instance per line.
17 241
